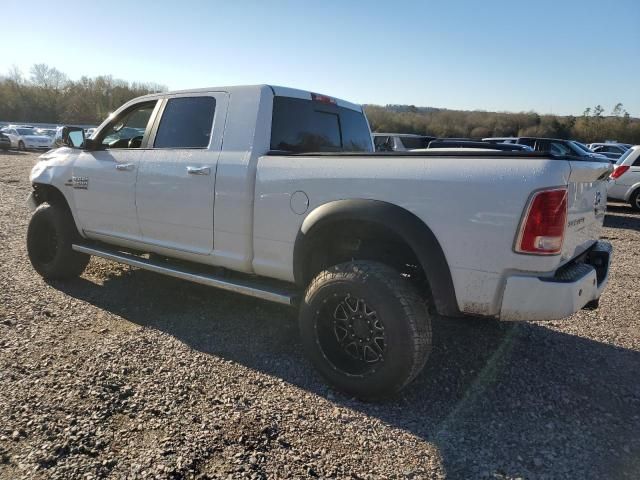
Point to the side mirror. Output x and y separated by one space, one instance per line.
69 137
73 137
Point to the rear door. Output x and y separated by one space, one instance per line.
176 181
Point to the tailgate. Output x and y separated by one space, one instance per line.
587 204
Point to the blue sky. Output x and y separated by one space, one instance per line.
550 56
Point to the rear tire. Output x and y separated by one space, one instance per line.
50 235
365 328
634 200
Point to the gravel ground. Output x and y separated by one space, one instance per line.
124 373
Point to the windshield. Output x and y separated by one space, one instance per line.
572 147
47 132
582 146
25 131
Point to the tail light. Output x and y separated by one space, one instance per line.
543 227
619 171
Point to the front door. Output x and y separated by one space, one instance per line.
176 181
104 180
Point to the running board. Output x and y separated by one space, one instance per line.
268 293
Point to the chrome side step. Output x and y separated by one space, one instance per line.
245 288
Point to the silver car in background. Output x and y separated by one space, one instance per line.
26 138
624 182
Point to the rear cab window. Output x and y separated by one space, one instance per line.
305 126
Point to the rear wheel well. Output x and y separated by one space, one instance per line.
348 240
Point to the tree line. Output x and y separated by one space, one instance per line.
593 125
47 95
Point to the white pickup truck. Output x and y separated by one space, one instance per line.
276 193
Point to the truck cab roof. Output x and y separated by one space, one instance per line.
277 91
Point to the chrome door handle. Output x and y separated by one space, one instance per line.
199 170
125 166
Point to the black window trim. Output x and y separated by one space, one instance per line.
156 123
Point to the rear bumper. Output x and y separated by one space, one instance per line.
570 289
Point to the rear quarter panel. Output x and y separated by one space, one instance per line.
472 205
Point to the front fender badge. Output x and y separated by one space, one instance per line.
80 183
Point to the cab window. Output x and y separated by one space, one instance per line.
127 131
186 123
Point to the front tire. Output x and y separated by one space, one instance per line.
50 235
634 200
21 146
365 328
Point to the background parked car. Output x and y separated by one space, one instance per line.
617 147
610 150
610 156
452 143
25 138
49 132
555 146
5 143
400 142
501 139
624 183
